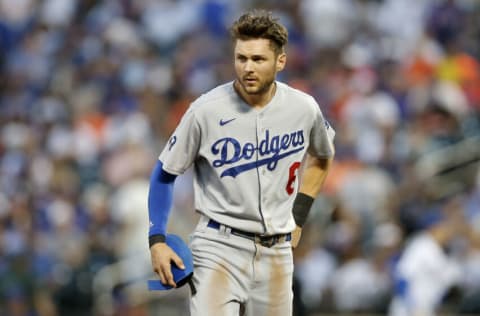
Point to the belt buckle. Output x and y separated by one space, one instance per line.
267 241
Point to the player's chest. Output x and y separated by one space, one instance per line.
252 126
234 137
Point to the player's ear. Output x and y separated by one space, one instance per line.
281 61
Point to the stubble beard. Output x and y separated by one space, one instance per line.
257 90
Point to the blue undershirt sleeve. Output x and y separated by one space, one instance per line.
160 199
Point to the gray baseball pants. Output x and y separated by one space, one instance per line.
234 276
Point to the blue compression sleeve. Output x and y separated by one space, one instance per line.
160 199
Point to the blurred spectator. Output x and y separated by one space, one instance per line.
425 272
328 23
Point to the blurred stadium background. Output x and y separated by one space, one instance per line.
90 91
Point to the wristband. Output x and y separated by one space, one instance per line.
154 239
301 208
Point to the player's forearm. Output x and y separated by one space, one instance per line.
314 175
160 198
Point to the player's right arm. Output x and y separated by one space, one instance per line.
177 156
160 198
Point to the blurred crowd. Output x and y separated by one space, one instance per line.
91 90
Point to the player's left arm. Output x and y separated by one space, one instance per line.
313 177
320 153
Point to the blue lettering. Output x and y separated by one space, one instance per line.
285 141
229 151
248 151
301 140
234 171
275 148
264 150
294 139
221 146
275 144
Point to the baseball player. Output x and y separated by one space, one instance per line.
246 140
425 270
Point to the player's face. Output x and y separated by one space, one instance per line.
256 65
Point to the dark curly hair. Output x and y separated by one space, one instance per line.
260 24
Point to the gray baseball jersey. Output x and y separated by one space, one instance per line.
246 160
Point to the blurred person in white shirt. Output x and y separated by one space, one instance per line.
425 271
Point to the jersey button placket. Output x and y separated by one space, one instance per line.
265 175
262 133
260 169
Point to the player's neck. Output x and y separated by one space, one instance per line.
256 100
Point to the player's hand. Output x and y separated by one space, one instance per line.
162 256
296 234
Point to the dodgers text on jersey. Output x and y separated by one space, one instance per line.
269 151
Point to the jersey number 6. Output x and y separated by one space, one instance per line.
292 176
